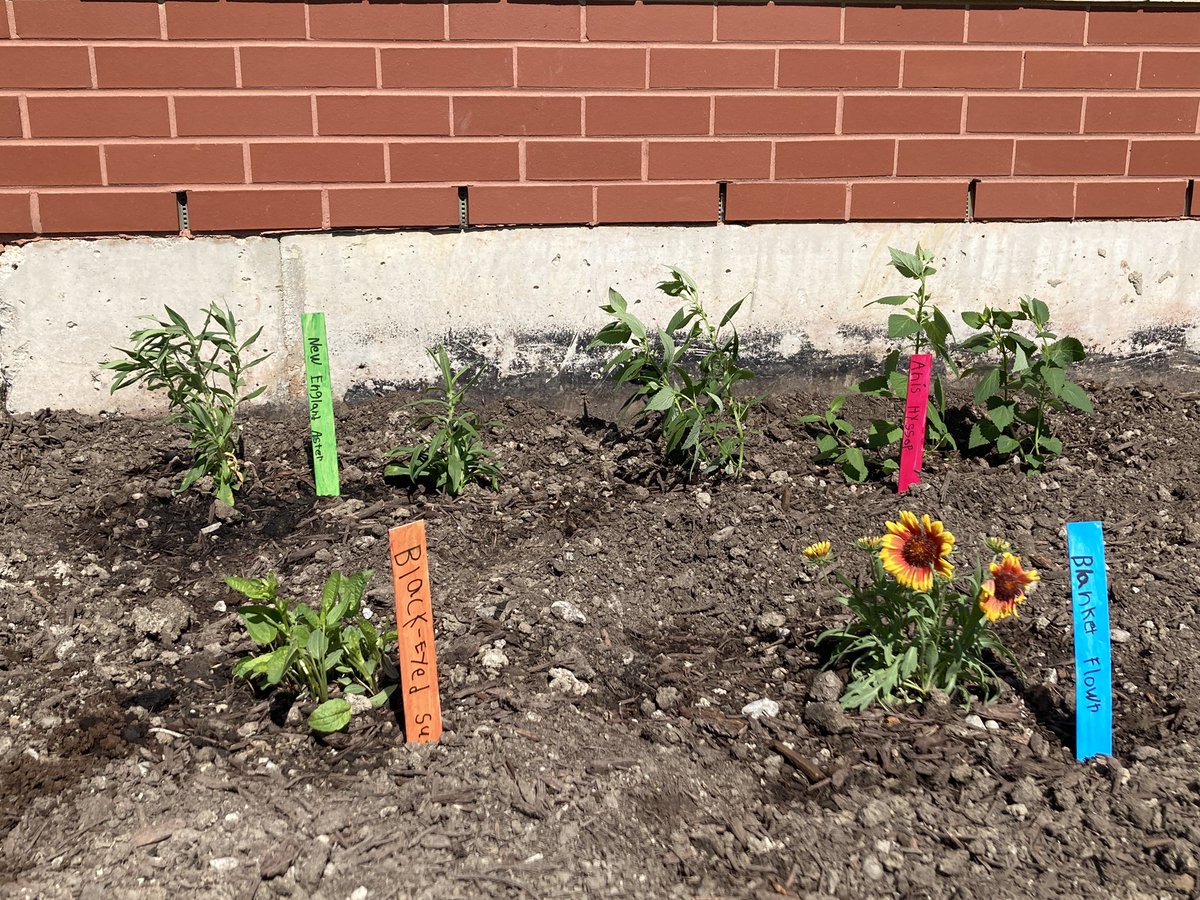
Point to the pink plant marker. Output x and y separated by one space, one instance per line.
912 447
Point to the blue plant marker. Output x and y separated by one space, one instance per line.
1093 652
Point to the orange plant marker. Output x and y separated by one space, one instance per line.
414 627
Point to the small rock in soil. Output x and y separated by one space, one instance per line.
759 708
563 681
667 697
872 868
1120 636
874 814
493 659
359 703
568 612
975 722
770 622
165 619
826 687
224 863
827 718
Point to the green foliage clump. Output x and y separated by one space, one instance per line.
203 372
685 374
452 455
313 651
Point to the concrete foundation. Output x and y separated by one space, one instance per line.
525 301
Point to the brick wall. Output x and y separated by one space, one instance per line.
334 114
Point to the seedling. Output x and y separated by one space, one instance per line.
701 420
453 455
315 651
203 373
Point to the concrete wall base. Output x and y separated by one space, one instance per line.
525 301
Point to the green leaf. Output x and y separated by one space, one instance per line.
1076 396
253 588
978 438
973 320
854 466
987 386
1007 445
906 264
1039 312
730 313
663 400
1050 444
826 443
1002 414
262 622
278 663
330 716
895 300
901 326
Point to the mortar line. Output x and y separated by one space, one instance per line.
172 121
103 165
162 21
23 106
11 14
316 128
91 51
247 168
237 66
35 211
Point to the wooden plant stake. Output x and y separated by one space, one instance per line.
319 388
1093 649
912 446
414 628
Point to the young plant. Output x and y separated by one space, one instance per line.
315 651
1021 380
915 627
701 420
452 456
203 373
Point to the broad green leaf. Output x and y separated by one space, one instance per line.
906 264
988 385
1054 377
894 300
1006 445
278 663
1076 396
1002 414
330 716
973 320
252 588
1050 444
730 313
854 466
901 326
826 443
262 622
663 400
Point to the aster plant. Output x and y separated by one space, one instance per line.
916 626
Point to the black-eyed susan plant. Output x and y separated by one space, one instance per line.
916 626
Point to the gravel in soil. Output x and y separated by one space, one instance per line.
600 631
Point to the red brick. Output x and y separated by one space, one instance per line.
711 68
505 21
783 202
776 114
108 212
49 165
456 162
376 21
897 201
1024 200
839 68
77 19
254 210
4 34
48 67
1026 26
891 114
89 116
583 160
308 67
1131 199
773 22
530 205
174 163
709 160
1141 115
962 68
189 20
10 118
1080 69
834 159
1070 157
649 23
1170 70
963 156
1181 157
1027 114
383 114
393 207
640 204
1144 26
250 115
570 67
904 24
625 115
15 214
448 67
517 115
324 162
165 67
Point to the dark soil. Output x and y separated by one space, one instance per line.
131 766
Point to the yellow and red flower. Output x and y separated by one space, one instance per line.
817 552
1001 594
913 550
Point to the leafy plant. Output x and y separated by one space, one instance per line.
1021 380
203 373
452 456
914 626
701 420
315 651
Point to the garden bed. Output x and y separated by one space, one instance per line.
132 766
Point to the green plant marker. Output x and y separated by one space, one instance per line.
320 405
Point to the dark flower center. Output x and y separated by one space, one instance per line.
1009 585
921 550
